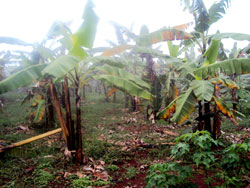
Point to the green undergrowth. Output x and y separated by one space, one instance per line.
106 131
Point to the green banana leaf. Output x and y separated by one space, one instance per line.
235 36
116 50
203 89
201 16
185 104
164 34
13 41
61 66
85 35
212 52
46 53
102 60
106 69
217 10
228 67
173 49
147 50
22 78
40 111
124 85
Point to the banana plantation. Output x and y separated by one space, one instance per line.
128 115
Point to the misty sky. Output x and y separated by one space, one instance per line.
30 20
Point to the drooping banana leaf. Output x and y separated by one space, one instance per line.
13 41
223 107
40 111
212 53
116 50
173 49
124 85
228 67
102 60
235 36
165 34
225 82
217 10
201 16
203 89
185 104
61 66
167 112
146 50
85 35
106 69
22 78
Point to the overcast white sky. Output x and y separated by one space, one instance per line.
30 20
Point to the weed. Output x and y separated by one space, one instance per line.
87 181
131 173
42 178
112 168
96 148
168 174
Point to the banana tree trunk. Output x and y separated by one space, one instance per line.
49 110
133 103
59 111
234 97
126 99
63 97
114 97
207 117
216 123
200 117
79 155
84 92
69 120
105 92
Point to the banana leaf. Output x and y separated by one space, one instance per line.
203 89
116 50
165 34
13 41
22 78
102 60
235 36
212 52
217 10
40 111
228 67
61 66
185 104
124 85
106 69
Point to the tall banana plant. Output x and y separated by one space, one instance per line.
144 50
60 67
204 19
205 88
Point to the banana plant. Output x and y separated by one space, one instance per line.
204 18
143 49
59 68
205 88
